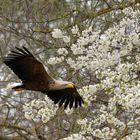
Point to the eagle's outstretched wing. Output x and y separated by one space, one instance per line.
69 97
34 77
26 66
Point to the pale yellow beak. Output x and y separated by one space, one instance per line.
70 86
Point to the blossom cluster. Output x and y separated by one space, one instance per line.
110 55
113 56
57 33
40 110
97 51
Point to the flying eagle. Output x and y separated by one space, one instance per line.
34 77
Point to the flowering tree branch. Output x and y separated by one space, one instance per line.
100 54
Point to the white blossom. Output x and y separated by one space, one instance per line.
52 61
66 39
98 133
29 115
74 137
57 33
62 51
75 30
55 60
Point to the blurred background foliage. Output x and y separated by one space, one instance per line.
30 23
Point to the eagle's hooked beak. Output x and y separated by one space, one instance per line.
70 86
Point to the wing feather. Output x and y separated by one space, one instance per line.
67 102
62 100
71 102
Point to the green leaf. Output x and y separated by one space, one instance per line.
5 5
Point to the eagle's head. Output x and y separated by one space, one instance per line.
58 85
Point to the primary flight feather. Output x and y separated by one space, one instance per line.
34 77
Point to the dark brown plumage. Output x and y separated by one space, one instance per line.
34 77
